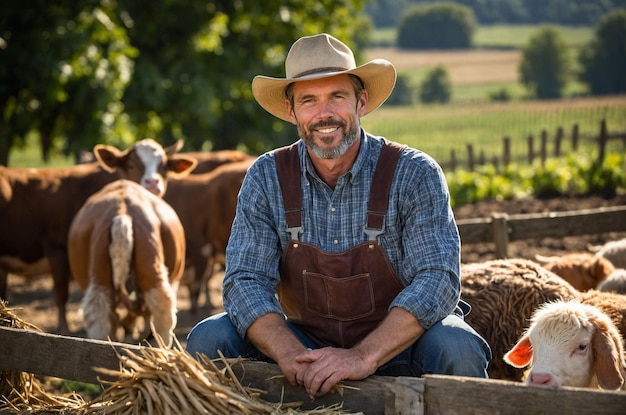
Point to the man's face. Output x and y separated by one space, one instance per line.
326 113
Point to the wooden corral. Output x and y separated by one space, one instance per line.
74 359
502 228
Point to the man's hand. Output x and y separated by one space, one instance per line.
324 368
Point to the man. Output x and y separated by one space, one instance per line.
344 255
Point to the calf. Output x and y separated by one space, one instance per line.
126 246
206 206
570 344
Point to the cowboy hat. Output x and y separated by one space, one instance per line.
322 56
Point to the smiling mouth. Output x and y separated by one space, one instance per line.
327 130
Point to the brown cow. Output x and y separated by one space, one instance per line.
210 160
206 206
36 209
126 246
584 270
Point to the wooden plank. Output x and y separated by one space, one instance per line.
475 230
59 356
455 395
375 395
543 225
571 223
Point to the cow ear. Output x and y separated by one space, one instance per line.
521 354
108 156
174 148
181 166
607 356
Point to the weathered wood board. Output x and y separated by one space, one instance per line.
74 358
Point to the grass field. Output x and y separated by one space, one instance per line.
439 129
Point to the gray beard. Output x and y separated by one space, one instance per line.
350 136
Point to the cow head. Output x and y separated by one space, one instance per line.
146 162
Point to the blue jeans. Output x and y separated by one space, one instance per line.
450 347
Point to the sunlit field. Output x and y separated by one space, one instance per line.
439 129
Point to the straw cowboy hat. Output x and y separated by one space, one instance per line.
322 56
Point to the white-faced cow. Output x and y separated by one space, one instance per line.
126 246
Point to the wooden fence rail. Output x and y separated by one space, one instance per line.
74 359
502 228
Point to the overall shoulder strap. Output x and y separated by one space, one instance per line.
288 169
381 185
289 176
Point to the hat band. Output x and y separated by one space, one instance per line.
320 70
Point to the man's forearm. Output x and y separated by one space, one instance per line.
272 337
396 332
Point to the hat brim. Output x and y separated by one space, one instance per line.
378 76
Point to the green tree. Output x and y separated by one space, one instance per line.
63 73
545 65
436 26
436 88
603 60
119 70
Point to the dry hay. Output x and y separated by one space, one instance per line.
22 392
155 380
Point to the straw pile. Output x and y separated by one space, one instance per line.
170 381
23 392
156 380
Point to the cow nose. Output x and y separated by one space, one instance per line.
152 185
541 379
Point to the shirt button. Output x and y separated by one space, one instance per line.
336 241
332 209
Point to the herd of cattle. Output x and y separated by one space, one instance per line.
128 226
58 221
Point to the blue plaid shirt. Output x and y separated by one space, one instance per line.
420 237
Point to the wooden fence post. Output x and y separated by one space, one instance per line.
500 228
544 146
470 157
557 141
531 150
575 137
602 139
452 160
506 156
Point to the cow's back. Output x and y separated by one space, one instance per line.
38 205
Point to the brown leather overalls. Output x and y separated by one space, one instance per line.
336 298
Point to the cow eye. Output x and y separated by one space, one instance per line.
582 347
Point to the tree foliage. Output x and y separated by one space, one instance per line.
545 65
437 26
63 74
386 13
603 60
436 87
119 70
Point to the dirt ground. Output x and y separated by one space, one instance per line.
33 302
